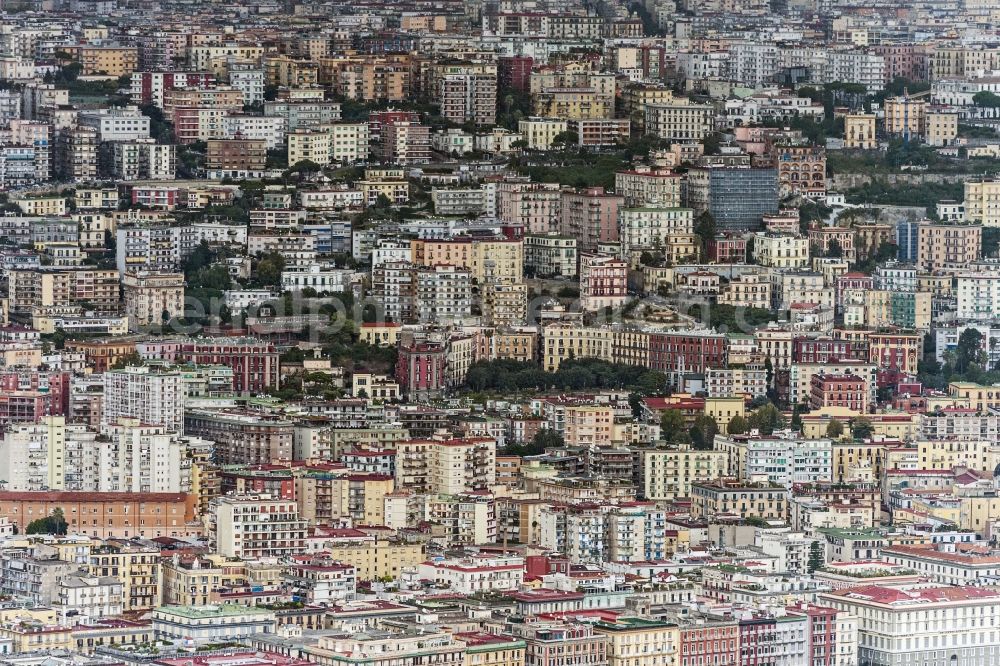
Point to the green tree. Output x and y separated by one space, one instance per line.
969 350
672 424
986 98
862 428
815 556
834 429
737 425
704 227
269 267
766 419
703 432
55 523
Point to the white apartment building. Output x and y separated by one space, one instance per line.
87 599
269 129
648 228
256 527
116 123
443 294
550 255
249 79
783 458
978 296
936 626
780 251
152 397
320 278
475 575
142 459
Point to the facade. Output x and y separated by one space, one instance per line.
257 527
151 299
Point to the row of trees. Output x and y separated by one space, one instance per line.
573 374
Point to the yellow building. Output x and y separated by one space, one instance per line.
723 410
374 560
137 568
487 649
497 258
979 397
948 454
573 103
635 99
197 582
940 128
905 116
780 251
113 61
982 202
41 205
634 641
859 131
390 183
668 473
380 334
848 455
563 341
287 72
726 496
749 290
36 637
588 425
539 133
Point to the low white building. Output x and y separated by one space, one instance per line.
86 599
320 278
468 576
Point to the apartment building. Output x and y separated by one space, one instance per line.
679 120
590 216
235 158
59 287
942 245
649 187
780 250
256 527
448 467
729 497
667 474
982 202
603 281
859 131
406 143
550 255
152 299
652 227
152 397
242 437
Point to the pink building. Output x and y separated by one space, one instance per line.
727 248
534 206
849 282
591 216
603 281
420 368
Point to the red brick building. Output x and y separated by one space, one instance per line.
727 249
849 391
106 515
710 643
420 368
821 633
828 350
682 352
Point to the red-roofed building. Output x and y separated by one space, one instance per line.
956 624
